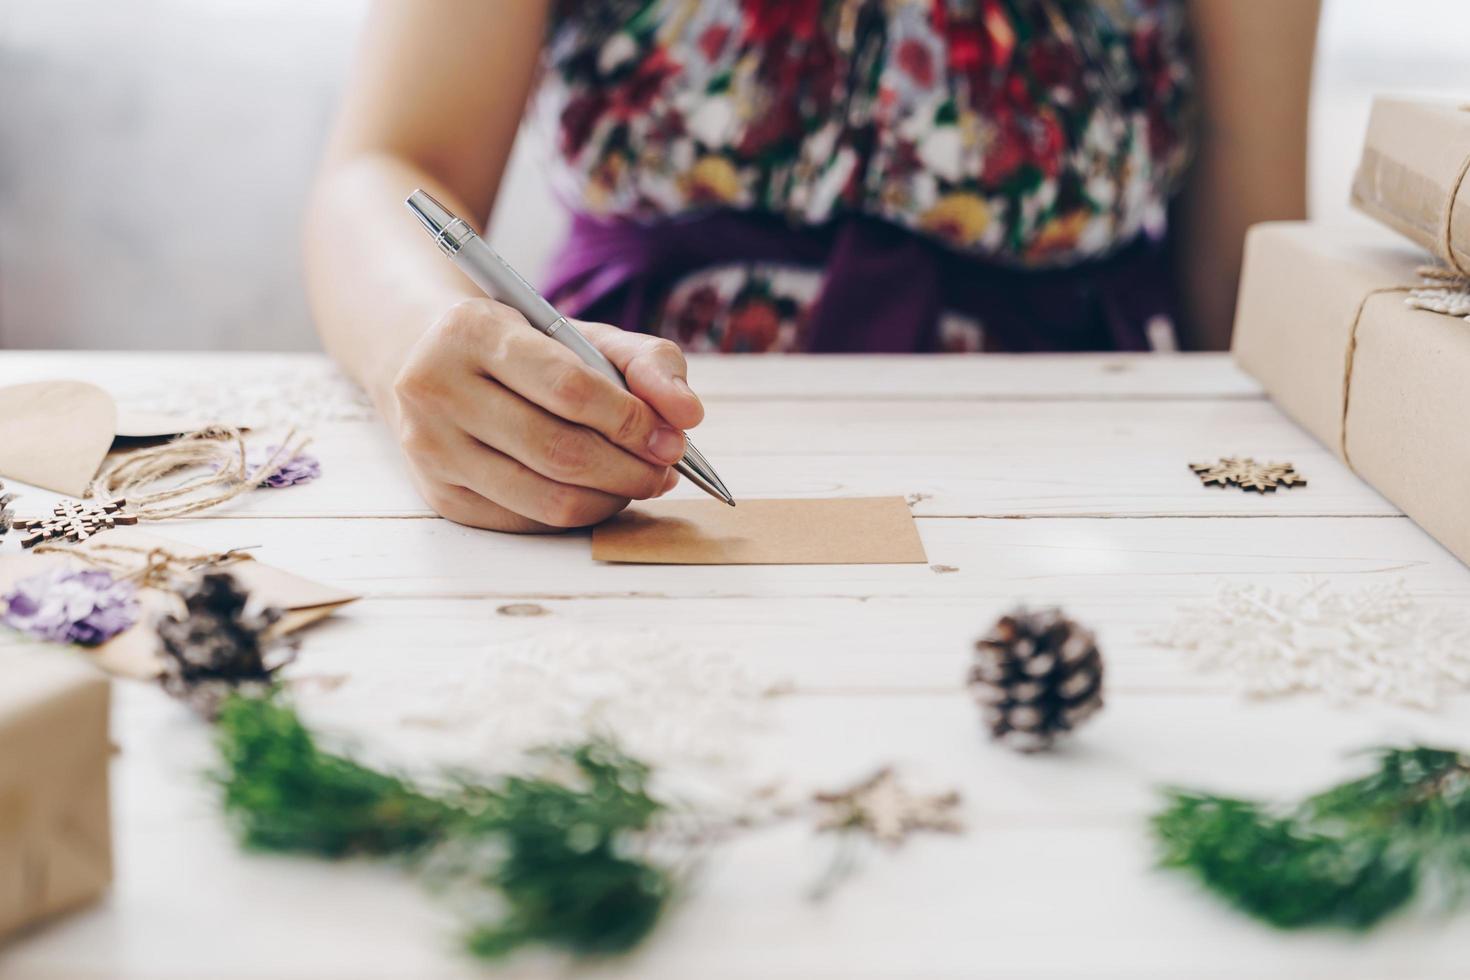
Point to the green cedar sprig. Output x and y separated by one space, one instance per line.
556 846
563 875
285 793
1348 857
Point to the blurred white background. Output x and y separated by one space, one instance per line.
155 154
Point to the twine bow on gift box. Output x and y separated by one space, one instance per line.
1440 290
1420 204
1447 290
1447 222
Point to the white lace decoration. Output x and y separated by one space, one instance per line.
1378 643
291 395
686 712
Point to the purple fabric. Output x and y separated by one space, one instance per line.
884 287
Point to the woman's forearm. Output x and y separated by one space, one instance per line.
435 102
374 279
500 426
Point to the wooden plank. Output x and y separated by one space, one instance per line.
902 428
1057 376
1040 903
999 560
973 459
1055 842
1108 773
874 646
813 645
1065 376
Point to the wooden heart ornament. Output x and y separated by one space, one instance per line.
55 434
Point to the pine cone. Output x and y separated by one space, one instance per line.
219 644
1036 675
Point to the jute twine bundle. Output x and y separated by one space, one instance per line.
160 568
1447 226
215 456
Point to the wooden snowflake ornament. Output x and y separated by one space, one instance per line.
880 806
73 520
1249 475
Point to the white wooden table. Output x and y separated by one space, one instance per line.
1051 479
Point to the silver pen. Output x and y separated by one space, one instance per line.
494 275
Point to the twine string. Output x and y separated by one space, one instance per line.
1437 279
215 455
1447 226
1457 274
1349 356
160 566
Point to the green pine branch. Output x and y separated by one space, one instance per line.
1349 856
285 793
559 846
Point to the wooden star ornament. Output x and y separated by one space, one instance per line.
1249 475
881 807
73 520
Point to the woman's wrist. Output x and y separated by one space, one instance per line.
377 368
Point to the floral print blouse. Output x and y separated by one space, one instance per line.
1029 134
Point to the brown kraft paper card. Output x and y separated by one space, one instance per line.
846 531
55 434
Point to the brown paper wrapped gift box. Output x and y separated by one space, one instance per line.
1414 175
55 837
1322 323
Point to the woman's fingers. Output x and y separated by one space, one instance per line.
515 486
474 485
506 429
654 368
547 374
463 506
553 447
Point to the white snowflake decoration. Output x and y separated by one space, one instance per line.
1378 642
298 394
688 712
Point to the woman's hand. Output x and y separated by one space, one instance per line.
506 429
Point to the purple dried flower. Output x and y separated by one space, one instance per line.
65 605
300 468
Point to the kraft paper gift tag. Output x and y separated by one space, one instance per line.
55 831
848 531
55 434
134 653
